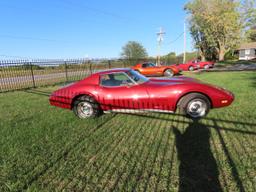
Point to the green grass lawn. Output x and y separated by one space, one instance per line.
43 148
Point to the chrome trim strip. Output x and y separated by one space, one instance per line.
137 111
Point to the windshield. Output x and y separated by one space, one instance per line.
137 77
151 64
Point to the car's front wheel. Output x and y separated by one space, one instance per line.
191 68
168 73
85 107
194 105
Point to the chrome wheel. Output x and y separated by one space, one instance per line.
84 109
191 68
197 108
206 67
168 72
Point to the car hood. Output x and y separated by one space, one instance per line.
171 81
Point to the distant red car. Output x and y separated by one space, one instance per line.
204 64
188 66
195 64
151 69
125 90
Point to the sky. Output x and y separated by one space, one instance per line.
62 29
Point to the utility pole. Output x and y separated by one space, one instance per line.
184 48
160 39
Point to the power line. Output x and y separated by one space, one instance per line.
177 38
30 38
121 18
71 5
96 10
41 39
64 7
15 57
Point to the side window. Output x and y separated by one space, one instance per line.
144 65
114 79
242 53
247 51
151 64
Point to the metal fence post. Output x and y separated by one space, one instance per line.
124 64
32 75
90 65
66 71
109 64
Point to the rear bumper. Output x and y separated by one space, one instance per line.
60 101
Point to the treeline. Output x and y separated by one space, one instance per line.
218 27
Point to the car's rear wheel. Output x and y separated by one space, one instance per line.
85 107
194 105
168 73
191 68
206 67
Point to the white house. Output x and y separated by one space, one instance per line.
247 51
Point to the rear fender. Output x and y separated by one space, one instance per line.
77 95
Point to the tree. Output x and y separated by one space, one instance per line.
248 18
170 58
133 51
205 48
252 35
215 25
248 14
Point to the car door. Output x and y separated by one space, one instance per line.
196 64
150 69
122 93
161 96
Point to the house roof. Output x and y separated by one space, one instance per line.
247 46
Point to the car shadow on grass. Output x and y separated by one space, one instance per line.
38 92
198 170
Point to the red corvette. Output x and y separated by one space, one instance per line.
195 64
125 90
190 66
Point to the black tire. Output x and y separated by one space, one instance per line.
194 105
168 73
191 68
86 107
